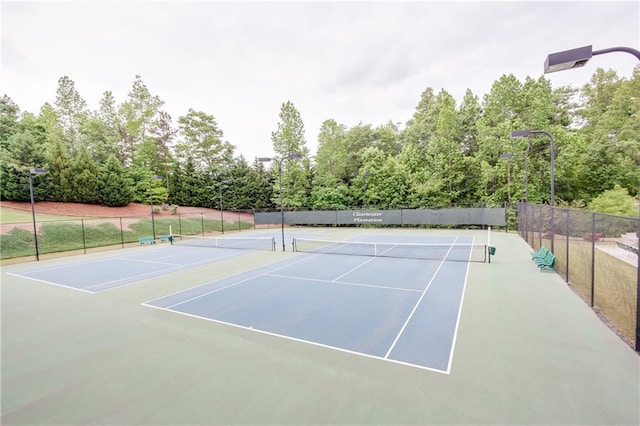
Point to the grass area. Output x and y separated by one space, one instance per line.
20 216
79 234
615 282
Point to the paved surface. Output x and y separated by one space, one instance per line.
529 351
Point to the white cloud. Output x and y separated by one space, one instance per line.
350 61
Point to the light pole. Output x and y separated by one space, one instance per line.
508 156
224 182
153 222
526 134
575 58
34 171
290 156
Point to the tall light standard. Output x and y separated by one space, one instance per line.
526 134
153 222
34 171
508 156
290 156
224 182
574 58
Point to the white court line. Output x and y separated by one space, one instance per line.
419 300
212 291
148 303
51 283
146 261
295 339
343 283
361 265
455 332
353 269
151 273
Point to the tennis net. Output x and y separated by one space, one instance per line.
462 252
247 243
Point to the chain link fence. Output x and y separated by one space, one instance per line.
594 257
17 240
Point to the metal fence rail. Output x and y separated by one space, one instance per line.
591 259
17 239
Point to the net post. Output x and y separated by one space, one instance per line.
488 248
293 245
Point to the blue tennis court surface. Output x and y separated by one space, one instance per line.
94 276
400 310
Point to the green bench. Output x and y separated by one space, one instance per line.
540 253
543 258
146 240
167 238
548 261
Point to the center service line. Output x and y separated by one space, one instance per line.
419 300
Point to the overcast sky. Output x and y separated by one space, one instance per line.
354 62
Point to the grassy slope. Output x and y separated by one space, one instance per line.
8 215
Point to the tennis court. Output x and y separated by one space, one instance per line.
400 308
308 338
94 276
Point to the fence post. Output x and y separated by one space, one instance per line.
540 225
121 233
638 285
84 244
593 257
568 232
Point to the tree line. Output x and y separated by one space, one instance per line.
445 154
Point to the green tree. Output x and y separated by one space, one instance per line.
59 168
332 155
330 194
71 110
163 135
9 119
615 201
202 142
114 189
387 179
23 152
187 187
296 175
83 178
135 117
289 137
468 114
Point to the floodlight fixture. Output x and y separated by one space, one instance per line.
520 134
578 57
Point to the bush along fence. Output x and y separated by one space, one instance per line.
592 259
18 239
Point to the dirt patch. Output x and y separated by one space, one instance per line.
131 210
129 214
